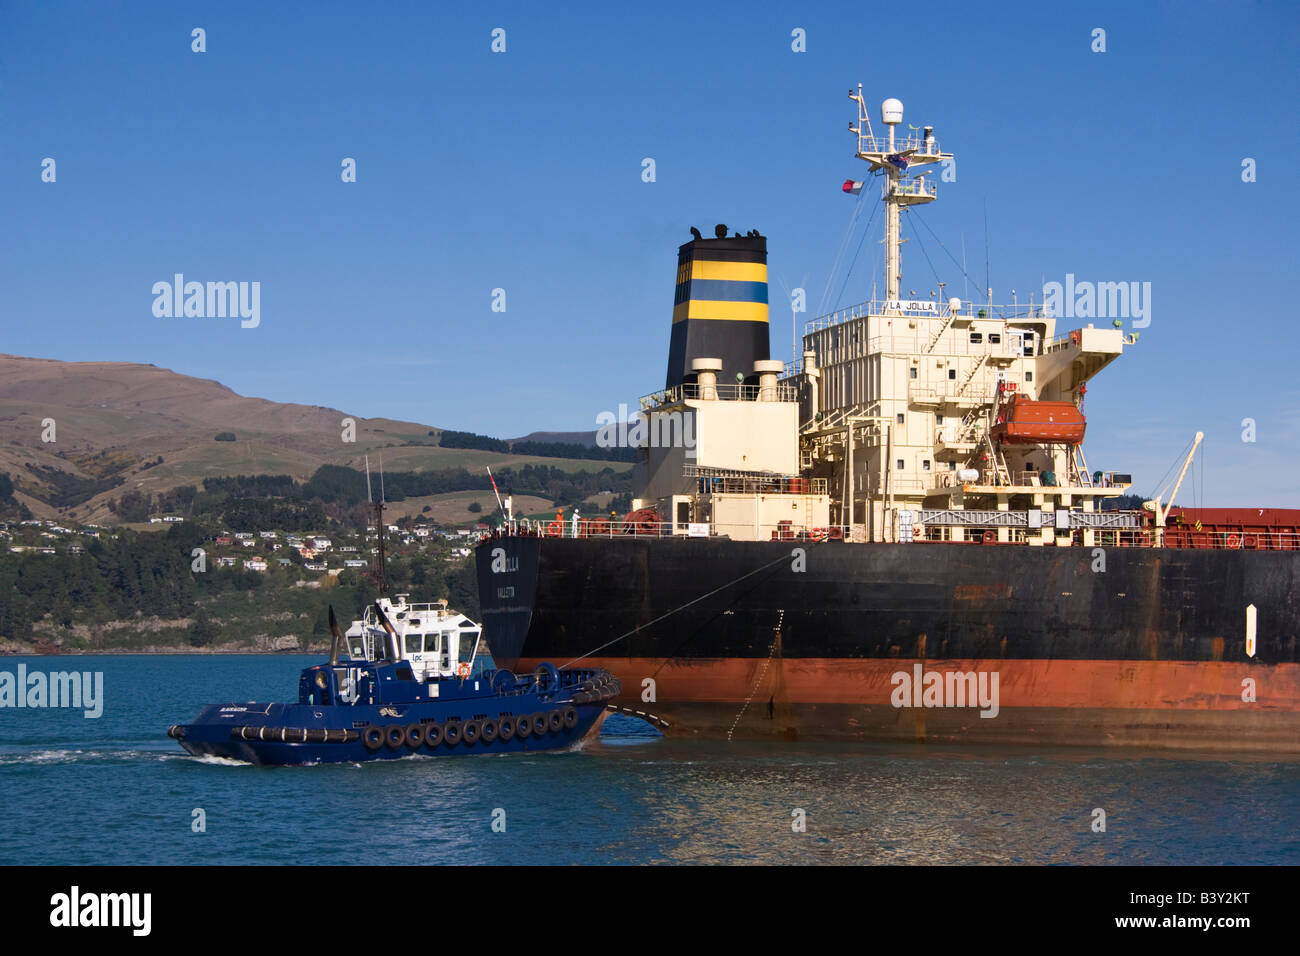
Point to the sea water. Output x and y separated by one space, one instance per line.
116 790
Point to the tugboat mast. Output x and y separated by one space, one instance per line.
381 557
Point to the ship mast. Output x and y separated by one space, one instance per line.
897 159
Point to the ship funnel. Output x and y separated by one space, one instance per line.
720 308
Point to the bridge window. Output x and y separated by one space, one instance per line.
995 338
976 338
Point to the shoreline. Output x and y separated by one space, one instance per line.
164 651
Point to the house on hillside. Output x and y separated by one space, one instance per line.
254 564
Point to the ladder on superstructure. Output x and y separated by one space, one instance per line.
1081 467
943 327
1000 468
970 376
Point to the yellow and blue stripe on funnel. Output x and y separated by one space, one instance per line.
720 307
713 289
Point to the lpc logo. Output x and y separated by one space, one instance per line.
76 909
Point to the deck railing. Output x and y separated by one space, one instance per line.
721 392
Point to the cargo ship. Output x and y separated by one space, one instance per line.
899 537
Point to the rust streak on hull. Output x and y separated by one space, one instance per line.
1063 702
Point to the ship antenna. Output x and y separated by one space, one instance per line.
986 253
895 159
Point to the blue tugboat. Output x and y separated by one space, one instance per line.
371 704
403 681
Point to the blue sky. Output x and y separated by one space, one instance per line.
522 170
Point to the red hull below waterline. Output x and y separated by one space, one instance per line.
1178 704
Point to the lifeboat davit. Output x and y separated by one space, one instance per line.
1025 421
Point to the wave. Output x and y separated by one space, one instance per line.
59 755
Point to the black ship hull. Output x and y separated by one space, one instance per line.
1137 646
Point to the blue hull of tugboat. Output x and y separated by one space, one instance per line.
464 720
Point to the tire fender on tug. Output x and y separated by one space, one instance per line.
506 728
470 731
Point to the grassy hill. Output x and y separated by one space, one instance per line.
123 426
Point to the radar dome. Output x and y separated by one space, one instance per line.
954 304
891 112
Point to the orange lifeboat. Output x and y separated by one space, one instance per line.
1025 421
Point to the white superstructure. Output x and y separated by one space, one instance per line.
437 642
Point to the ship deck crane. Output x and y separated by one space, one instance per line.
1163 513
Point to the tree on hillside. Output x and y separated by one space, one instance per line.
203 632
